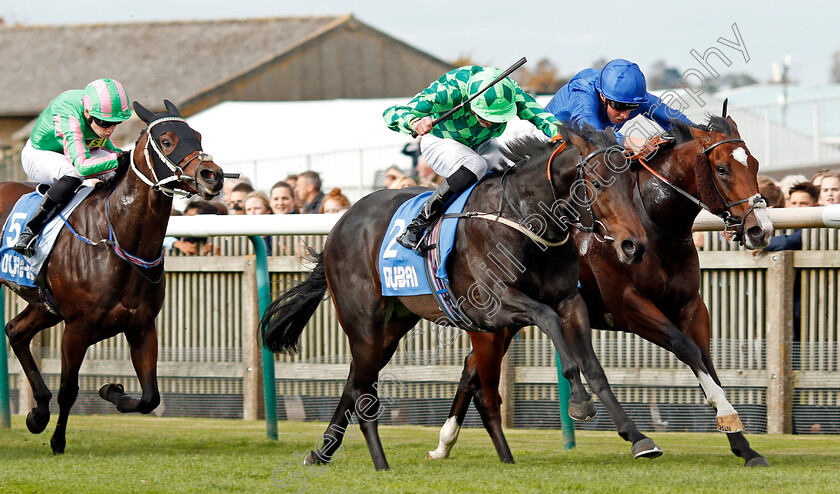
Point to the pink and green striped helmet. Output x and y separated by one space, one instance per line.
106 100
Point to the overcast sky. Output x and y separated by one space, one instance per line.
571 35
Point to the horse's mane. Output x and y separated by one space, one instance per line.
681 132
521 149
597 138
123 165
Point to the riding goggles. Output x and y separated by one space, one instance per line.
619 106
103 123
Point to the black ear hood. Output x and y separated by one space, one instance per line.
187 139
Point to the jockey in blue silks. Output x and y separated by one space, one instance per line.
609 97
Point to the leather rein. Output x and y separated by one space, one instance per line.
732 222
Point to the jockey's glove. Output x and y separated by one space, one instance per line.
123 159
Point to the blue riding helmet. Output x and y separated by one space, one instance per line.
621 80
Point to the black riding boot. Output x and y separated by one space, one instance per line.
53 202
435 206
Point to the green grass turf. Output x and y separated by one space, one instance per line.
165 455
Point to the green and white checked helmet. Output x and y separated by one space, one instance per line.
497 104
106 100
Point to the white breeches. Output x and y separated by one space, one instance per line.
445 156
48 166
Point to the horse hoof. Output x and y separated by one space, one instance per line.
582 411
106 389
36 421
434 455
758 461
58 445
313 459
646 448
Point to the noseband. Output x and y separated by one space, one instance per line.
176 173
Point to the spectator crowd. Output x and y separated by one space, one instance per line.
296 194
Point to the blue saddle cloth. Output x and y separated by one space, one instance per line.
401 270
16 267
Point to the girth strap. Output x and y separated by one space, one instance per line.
512 224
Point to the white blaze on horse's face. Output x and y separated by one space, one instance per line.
740 156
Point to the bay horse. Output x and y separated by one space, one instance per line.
538 191
113 281
658 299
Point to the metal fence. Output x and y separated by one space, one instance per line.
207 338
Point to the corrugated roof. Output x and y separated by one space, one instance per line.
770 93
154 60
810 109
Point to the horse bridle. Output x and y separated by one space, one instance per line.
525 229
581 175
755 201
176 172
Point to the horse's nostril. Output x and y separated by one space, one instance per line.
755 232
640 251
208 175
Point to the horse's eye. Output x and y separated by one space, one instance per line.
165 142
598 185
721 170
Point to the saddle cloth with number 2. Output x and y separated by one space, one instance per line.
401 270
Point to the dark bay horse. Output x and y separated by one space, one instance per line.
542 190
102 289
658 299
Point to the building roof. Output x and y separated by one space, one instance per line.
346 156
757 94
809 109
153 60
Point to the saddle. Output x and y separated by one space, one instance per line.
441 290
21 270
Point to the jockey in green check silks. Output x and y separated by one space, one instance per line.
71 141
463 147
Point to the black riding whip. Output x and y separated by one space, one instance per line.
509 71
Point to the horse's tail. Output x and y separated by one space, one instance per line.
285 318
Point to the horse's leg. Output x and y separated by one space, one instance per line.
73 348
467 387
654 326
338 426
648 322
577 333
360 394
143 344
20 330
460 405
370 357
525 311
698 328
488 353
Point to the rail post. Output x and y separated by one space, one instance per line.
5 407
564 392
780 280
264 293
